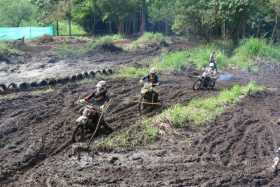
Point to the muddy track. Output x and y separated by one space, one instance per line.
235 150
34 126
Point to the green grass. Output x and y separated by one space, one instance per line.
132 72
149 38
252 48
201 111
137 135
42 91
5 49
200 56
68 50
104 40
76 29
173 61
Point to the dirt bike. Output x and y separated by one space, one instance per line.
87 122
149 98
204 83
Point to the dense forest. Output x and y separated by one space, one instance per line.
227 19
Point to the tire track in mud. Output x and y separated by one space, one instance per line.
235 150
45 122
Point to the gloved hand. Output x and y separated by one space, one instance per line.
141 81
102 107
82 101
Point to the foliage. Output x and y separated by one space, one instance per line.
5 49
17 13
173 61
149 38
252 48
66 50
200 56
76 29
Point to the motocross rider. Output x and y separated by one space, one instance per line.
149 81
99 98
212 59
210 71
151 78
99 95
276 160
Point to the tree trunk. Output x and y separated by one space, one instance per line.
166 27
224 30
110 27
134 27
274 29
70 25
120 29
143 17
57 28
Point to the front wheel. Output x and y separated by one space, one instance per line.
197 84
212 84
78 134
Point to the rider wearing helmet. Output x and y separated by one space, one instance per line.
212 59
99 95
152 77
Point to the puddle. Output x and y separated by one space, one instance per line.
226 77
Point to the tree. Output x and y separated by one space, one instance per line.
275 6
162 11
15 13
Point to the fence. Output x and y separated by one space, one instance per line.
14 33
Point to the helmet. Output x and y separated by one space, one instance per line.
100 84
211 65
278 121
152 71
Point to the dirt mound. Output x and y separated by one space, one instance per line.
45 39
108 48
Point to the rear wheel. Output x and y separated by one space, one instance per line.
141 106
197 84
78 134
212 84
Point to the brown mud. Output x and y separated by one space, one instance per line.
34 126
236 149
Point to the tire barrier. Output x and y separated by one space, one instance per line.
104 71
80 77
98 72
92 74
52 82
3 88
60 81
110 71
25 86
12 86
43 83
85 75
34 85
73 78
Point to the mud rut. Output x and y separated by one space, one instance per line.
234 150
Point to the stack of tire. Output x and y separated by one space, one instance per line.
24 86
